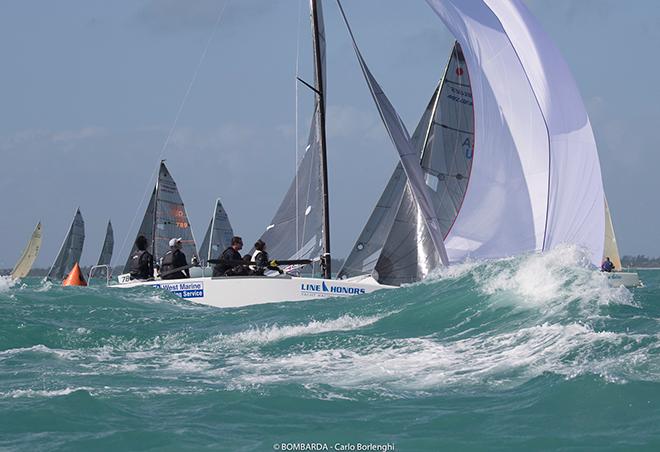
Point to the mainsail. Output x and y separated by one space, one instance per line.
165 219
218 234
392 242
24 264
108 245
611 249
70 250
297 229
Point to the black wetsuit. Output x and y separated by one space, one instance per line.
142 265
171 260
230 254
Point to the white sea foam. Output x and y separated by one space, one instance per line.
273 333
6 283
426 364
31 393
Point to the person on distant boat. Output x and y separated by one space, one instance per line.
228 255
174 259
261 259
607 265
142 262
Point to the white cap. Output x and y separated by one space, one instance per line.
173 241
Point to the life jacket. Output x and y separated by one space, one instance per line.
141 265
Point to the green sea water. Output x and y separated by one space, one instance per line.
531 353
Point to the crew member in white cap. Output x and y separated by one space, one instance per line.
174 259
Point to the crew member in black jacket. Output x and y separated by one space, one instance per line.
230 254
142 262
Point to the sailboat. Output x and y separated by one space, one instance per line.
392 247
165 219
106 254
218 235
618 277
30 253
71 249
298 232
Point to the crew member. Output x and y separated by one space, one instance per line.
261 259
142 262
231 254
607 265
174 259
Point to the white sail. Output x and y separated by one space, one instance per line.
108 244
536 180
408 156
30 253
165 219
218 234
610 248
70 250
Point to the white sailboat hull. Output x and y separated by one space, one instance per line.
625 279
236 291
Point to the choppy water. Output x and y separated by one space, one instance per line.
527 353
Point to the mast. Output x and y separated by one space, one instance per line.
320 94
153 233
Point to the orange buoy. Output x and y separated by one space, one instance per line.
75 277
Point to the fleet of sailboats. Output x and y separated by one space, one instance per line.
502 162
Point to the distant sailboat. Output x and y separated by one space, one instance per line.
218 235
165 219
108 244
618 277
24 264
70 250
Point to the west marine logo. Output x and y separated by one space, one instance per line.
331 289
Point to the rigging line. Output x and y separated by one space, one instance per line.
192 81
295 141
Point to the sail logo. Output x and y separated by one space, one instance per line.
330 289
184 289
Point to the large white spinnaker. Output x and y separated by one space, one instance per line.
408 156
70 250
218 235
536 181
24 264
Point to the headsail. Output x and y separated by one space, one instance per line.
70 250
164 219
218 235
611 249
108 245
24 264
297 229
393 242
408 156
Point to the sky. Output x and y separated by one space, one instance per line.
90 91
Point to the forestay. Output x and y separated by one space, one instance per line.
70 250
218 234
108 244
536 180
165 219
296 230
24 264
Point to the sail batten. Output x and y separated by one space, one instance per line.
24 264
71 249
